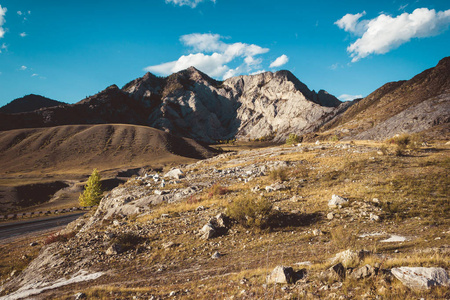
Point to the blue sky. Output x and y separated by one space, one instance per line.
67 50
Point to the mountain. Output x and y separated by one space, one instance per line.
104 146
28 103
416 105
191 104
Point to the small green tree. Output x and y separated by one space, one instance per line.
292 139
93 190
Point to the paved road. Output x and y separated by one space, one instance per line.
17 229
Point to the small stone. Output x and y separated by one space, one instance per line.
200 208
173 293
363 272
374 217
330 216
337 201
168 245
114 249
32 244
79 296
317 232
216 255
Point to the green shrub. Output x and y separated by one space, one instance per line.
292 139
250 211
93 192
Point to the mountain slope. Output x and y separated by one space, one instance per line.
408 106
191 104
81 148
28 103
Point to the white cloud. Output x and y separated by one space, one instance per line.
3 47
191 3
283 59
23 34
258 72
34 75
216 57
349 22
347 97
19 13
203 42
2 20
384 33
23 68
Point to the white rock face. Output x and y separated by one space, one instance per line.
191 104
421 278
174 174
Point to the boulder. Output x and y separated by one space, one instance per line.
281 274
208 231
421 278
337 201
175 174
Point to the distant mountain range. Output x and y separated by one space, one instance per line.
268 105
28 103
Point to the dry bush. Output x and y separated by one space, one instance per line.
53 238
250 211
292 139
127 240
216 190
279 174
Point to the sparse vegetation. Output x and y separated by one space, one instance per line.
93 192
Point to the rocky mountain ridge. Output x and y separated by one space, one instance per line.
407 106
191 104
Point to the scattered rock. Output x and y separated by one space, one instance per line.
216 255
363 272
275 187
168 245
79 296
32 244
337 271
374 217
421 278
330 216
296 198
222 220
317 232
337 201
160 192
114 249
